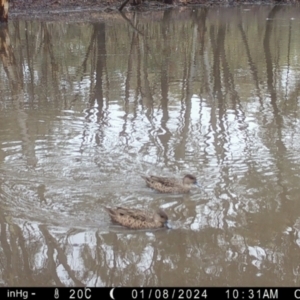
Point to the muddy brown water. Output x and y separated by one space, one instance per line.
86 108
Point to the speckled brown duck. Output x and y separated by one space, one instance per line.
137 218
171 185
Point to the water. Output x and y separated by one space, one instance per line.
86 108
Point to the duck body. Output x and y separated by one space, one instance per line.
171 185
138 218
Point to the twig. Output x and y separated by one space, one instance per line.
123 4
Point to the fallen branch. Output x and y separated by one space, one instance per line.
123 4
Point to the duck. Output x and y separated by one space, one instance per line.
137 218
171 185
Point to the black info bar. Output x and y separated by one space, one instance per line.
149 293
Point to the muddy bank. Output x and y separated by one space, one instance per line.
93 10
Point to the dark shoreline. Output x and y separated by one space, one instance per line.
90 11
42 8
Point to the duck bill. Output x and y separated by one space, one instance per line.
168 225
198 184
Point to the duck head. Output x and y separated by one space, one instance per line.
190 179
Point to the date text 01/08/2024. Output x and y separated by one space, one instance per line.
168 293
